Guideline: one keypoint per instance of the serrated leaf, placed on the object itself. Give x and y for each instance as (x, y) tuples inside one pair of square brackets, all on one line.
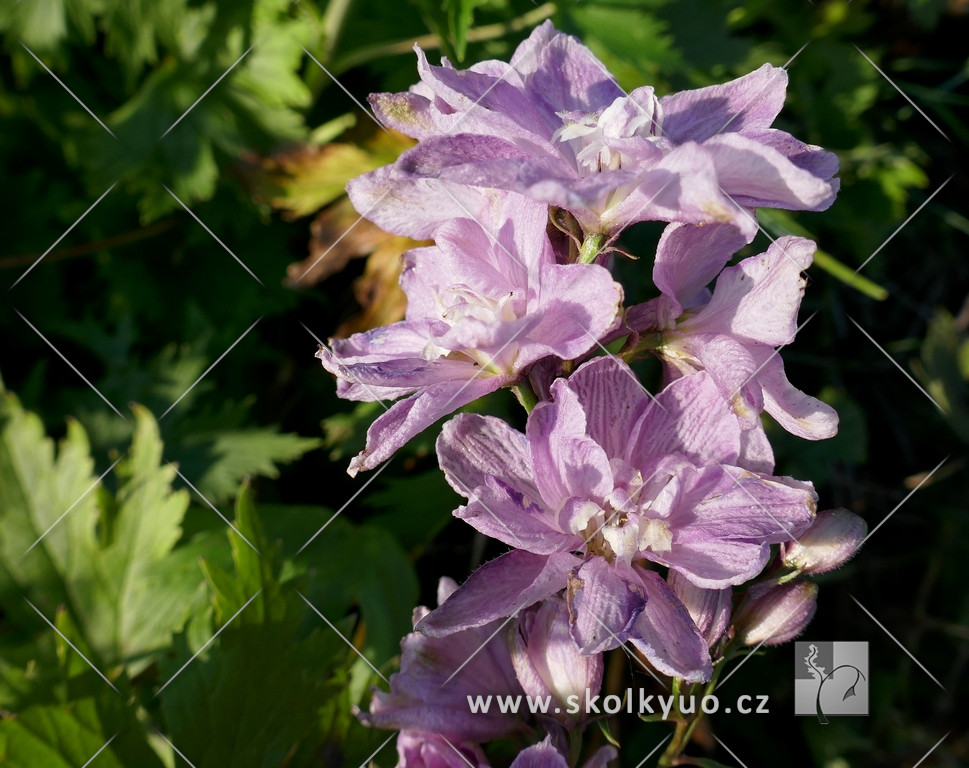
[(69, 735), (109, 560), (218, 461)]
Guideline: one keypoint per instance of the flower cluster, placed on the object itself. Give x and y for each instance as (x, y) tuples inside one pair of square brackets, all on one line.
[(649, 521)]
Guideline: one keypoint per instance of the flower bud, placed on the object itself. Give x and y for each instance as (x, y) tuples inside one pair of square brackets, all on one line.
[(772, 613), (709, 608), (547, 661), (831, 540), (425, 750)]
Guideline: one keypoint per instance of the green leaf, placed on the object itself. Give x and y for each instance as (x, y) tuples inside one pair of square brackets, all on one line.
[(218, 461), (108, 559), (942, 373), (266, 648)]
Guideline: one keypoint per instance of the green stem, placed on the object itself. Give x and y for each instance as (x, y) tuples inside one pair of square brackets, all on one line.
[(684, 728), (590, 248), (526, 395)]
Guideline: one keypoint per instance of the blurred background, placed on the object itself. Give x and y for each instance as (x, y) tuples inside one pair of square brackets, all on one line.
[(177, 241)]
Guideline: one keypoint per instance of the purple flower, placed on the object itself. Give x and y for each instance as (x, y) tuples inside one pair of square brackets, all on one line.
[(732, 334), (428, 750), (627, 480), (829, 543), (484, 303), (425, 697), (547, 662), (772, 613), (544, 755), (554, 125)]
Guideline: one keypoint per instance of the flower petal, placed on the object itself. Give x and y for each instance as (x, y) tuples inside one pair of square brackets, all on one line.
[(688, 417), (689, 257), (498, 589), (407, 418), (798, 413), (666, 634), (612, 398), (758, 299), (495, 511), (566, 461), (755, 175), (749, 102), (472, 448), (605, 600)]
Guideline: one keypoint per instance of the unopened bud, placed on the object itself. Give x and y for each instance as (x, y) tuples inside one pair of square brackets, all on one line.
[(772, 614), (831, 540), (546, 659)]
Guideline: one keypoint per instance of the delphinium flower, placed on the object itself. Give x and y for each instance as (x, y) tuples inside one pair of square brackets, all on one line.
[(545, 755), (627, 481), (430, 693), (554, 125), (732, 333), (484, 303)]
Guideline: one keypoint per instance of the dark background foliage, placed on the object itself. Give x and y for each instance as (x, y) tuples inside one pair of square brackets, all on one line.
[(142, 299)]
